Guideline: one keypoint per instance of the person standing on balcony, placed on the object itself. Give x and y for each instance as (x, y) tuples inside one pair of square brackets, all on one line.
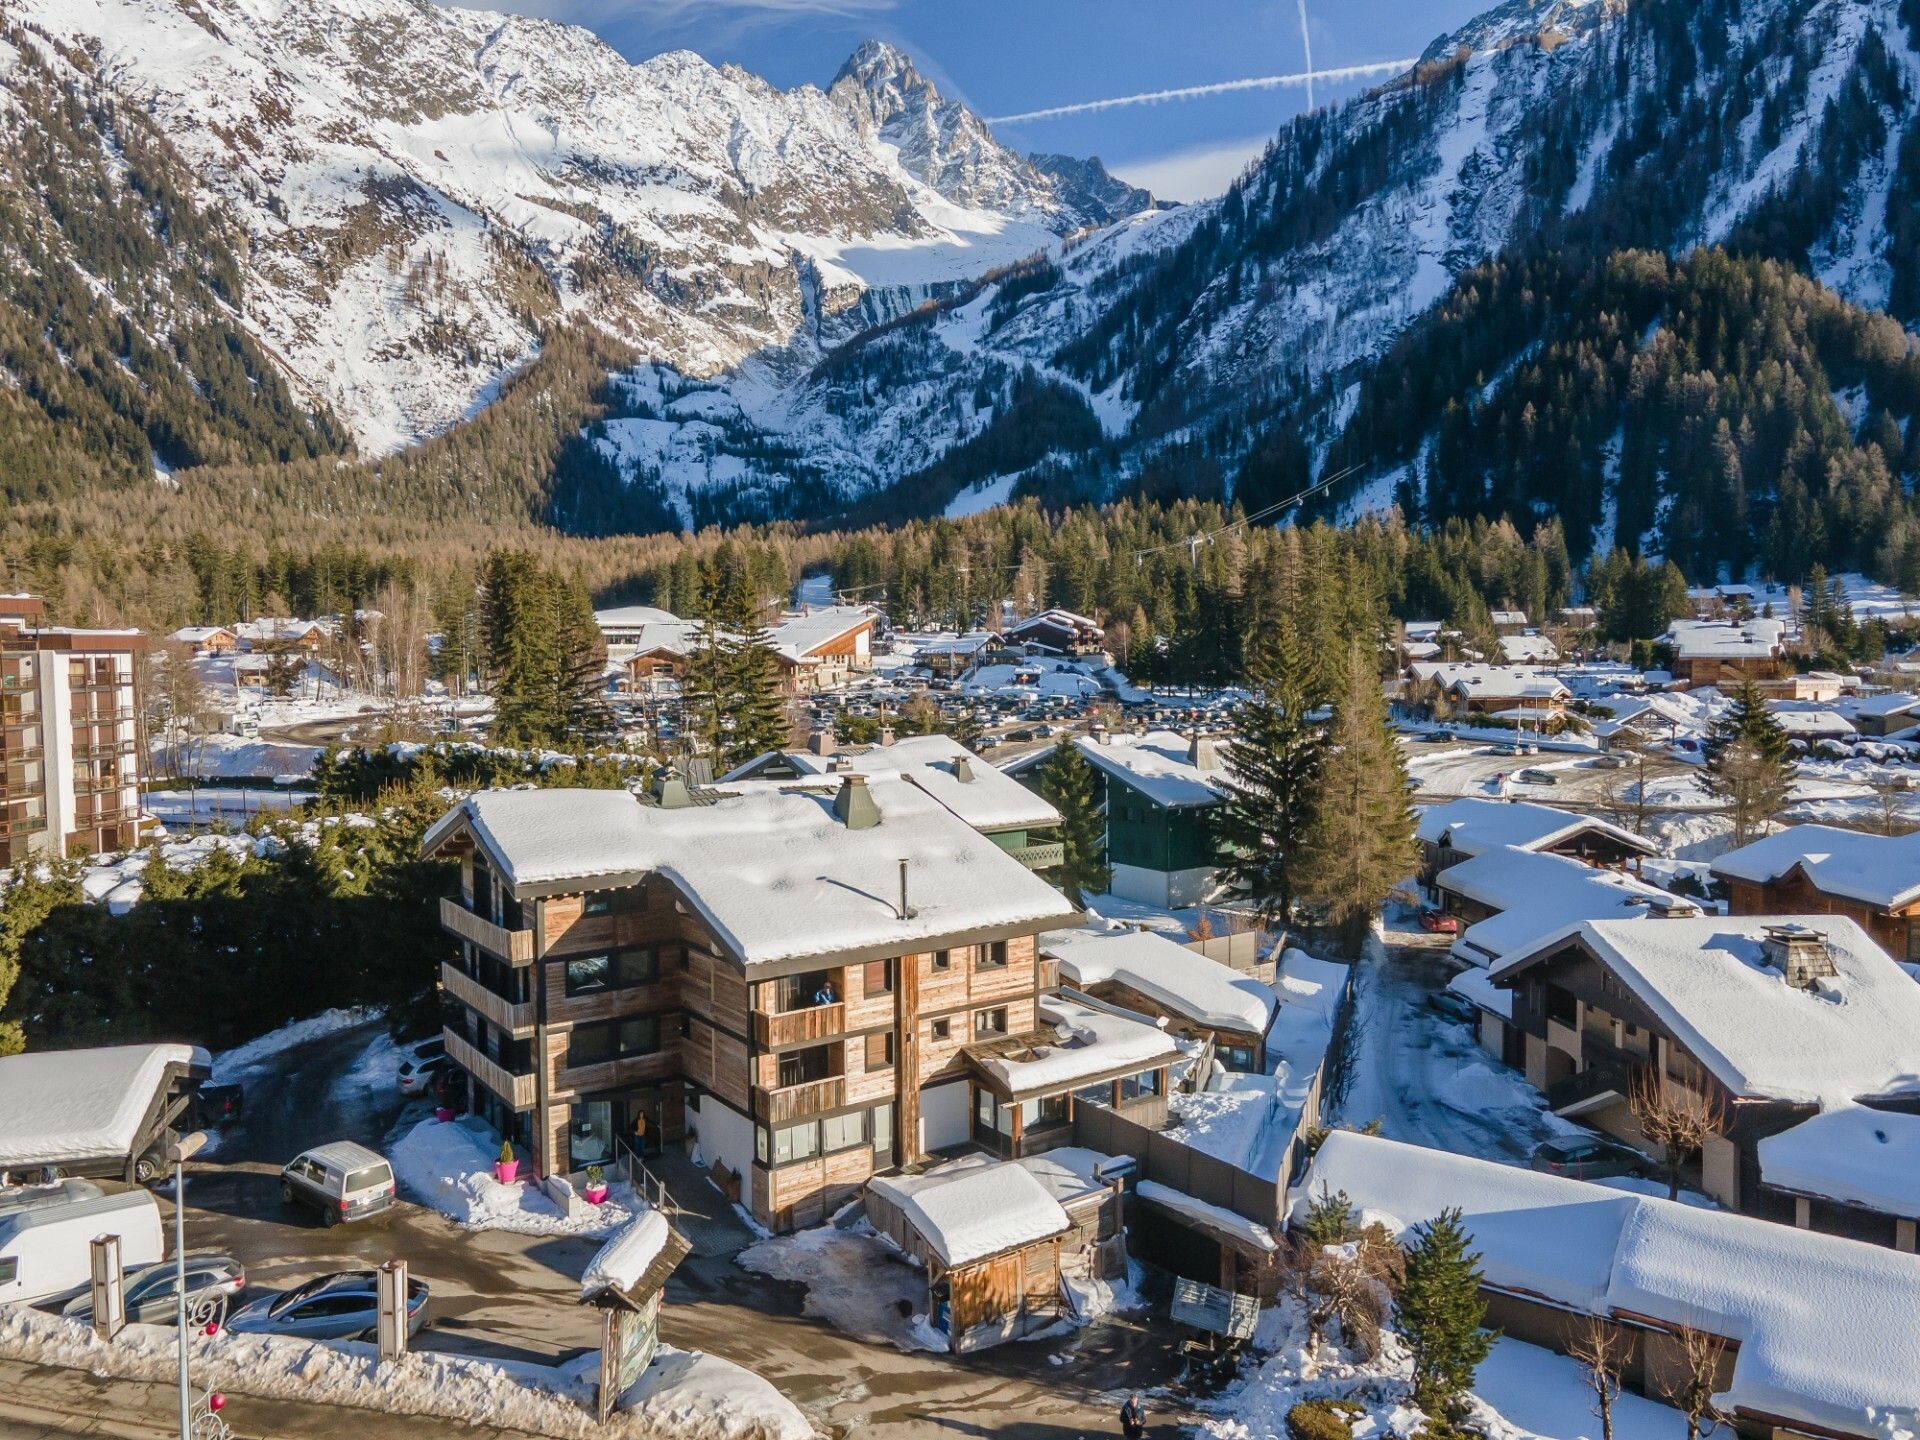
[(826, 994)]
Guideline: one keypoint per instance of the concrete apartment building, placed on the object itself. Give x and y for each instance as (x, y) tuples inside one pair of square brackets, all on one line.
[(70, 758), (790, 977)]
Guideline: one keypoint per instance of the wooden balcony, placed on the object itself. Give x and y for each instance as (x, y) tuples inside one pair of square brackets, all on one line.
[(477, 997), (1044, 856), (516, 1090), (574, 1080), (513, 946), (796, 1102), (799, 1027)]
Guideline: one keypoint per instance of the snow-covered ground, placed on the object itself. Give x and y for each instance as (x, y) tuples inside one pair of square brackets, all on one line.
[(232, 757), (234, 1066), (858, 1282), (448, 1166), (231, 807), (681, 1396)]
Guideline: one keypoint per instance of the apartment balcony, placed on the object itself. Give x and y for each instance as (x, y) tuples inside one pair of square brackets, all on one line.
[(1044, 856), (484, 1002), (611, 1074), (22, 824), (513, 946), (516, 1090), (788, 1103), (809, 1025)]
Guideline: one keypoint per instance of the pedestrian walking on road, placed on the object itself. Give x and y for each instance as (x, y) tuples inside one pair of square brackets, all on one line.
[(1133, 1418)]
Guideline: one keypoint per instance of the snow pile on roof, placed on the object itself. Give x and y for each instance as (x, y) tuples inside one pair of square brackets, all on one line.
[(974, 1208), (1071, 1172), (1536, 892), (1803, 723), (1231, 1119), (620, 1263), (1478, 987), (772, 872), (1824, 1325), (1528, 650), (989, 800), (1855, 1033), (1182, 980), (1209, 1216), (1880, 870), (628, 617), (63, 1106), (1092, 1040), (1490, 682), (1851, 1154), (1156, 764), (1725, 639), (449, 1168), (1472, 827), (796, 637)]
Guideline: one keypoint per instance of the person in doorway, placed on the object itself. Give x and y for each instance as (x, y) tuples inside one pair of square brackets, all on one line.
[(640, 1133), (1133, 1418)]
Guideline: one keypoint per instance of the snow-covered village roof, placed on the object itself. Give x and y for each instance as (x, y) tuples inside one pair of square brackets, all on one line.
[(1159, 765), (772, 871), (1851, 1154), (1492, 682), (1854, 1034), (629, 617), (974, 1207), (1182, 980), (1528, 649), (1078, 1040), (1824, 1326), (988, 799), (1536, 892), (1811, 724), (796, 637), (198, 634), (1879, 870), (1473, 827), (1725, 639), (272, 629), (67, 1106), (1477, 987)]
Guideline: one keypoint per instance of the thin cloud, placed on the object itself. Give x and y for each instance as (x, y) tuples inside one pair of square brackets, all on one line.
[(1221, 87), (1306, 43), (1199, 173)]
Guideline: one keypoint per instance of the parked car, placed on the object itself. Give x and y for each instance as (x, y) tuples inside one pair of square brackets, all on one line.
[(217, 1104), (417, 1076), (341, 1181), (1508, 749), (1535, 776), (1438, 922), (1439, 737), (419, 1055), (1453, 1006), (1609, 762), (340, 1306), (150, 1292), (1587, 1157)]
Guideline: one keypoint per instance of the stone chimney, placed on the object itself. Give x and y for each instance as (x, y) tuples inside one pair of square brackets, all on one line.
[(820, 741), (1801, 955), (853, 804), (670, 792), (963, 770), (886, 735), (1202, 753)]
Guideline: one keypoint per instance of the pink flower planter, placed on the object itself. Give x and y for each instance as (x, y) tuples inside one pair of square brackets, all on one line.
[(442, 1114), (595, 1194), (506, 1171)]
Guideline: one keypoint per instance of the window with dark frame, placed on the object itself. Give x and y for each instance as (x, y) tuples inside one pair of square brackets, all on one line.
[(880, 1051), (942, 1029), (877, 978), (943, 959), (987, 1023), (614, 1040), (598, 902), (991, 957), (612, 970)]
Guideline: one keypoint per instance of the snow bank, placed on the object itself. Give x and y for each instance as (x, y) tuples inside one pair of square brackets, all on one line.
[(449, 1168), (244, 1060), (857, 1281)]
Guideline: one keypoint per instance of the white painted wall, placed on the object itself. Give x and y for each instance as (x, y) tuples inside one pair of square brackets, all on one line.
[(1170, 889), (943, 1116), (725, 1134), (56, 732)]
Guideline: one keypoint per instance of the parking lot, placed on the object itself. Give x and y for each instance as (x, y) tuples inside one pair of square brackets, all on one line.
[(507, 1296)]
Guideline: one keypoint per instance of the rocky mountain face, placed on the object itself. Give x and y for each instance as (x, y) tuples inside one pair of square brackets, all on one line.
[(422, 190)]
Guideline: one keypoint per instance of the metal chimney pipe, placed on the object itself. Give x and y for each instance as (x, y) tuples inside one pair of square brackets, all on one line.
[(906, 910)]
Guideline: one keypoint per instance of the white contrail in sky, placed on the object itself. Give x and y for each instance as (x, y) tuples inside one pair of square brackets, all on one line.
[(1222, 87), (1306, 40)]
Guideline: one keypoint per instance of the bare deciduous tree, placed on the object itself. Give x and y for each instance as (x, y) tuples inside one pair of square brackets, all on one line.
[(1677, 1118), (183, 712), (1691, 1391), (1601, 1350)]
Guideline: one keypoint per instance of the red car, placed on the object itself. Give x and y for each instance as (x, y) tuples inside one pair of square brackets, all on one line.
[(1439, 922)]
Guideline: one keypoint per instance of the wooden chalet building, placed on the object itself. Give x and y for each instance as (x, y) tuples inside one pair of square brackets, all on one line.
[(1056, 632), (1461, 829), (1774, 1019), (790, 977), (1873, 880), (1726, 653)]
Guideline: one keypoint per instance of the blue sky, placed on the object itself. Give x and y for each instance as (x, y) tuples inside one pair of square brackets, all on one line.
[(1004, 57)]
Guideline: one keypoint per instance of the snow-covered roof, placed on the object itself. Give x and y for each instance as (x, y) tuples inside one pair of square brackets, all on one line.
[(1072, 1172), (1878, 870), (1894, 702), (1064, 619), (1475, 826), (276, 628), (1725, 639), (990, 800), (1854, 1034), (1091, 1040), (974, 1207), (198, 634), (1507, 877), (623, 1260), (1491, 682), (772, 872), (1478, 987), (1805, 723), (628, 617), (673, 637), (1528, 649), (1851, 1154), (1208, 1216), (1182, 980), (67, 1106), (1509, 617), (797, 636), (1156, 764), (1824, 1325)]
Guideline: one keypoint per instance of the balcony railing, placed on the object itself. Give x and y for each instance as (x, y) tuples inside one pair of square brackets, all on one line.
[(1044, 856), (797, 1027), (609, 1074), (516, 1090), (513, 946), (788, 1103), (22, 824), (477, 997)]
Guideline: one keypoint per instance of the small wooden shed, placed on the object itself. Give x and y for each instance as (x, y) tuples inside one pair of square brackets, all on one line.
[(988, 1233)]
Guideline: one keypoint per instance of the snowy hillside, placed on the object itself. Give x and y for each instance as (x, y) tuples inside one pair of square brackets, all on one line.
[(424, 188)]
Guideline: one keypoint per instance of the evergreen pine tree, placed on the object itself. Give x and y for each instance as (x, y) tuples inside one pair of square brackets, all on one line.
[(1748, 763), (580, 667), (1066, 779), (1273, 766), (756, 706), (1329, 1219), (1441, 1314), (1358, 840)]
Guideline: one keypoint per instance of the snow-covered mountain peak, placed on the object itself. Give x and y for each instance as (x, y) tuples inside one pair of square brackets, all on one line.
[(1544, 22)]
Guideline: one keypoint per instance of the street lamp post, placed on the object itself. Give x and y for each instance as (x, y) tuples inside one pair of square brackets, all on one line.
[(203, 1421)]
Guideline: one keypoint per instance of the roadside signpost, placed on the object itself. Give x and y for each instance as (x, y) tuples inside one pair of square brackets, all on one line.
[(108, 1286), (391, 1288)]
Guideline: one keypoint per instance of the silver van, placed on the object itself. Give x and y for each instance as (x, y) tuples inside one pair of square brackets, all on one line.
[(340, 1181)]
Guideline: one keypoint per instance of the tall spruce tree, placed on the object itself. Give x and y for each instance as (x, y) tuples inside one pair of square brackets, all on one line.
[(1358, 840), (1748, 763), (1066, 779), (756, 706), (579, 667), (1442, 1314), (1273, 767)]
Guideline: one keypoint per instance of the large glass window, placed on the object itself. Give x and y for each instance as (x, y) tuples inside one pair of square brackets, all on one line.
[(796, 1142), (843, 1132), (594, 1044), (590, 1133), (616, 970), (1137, 1087)]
